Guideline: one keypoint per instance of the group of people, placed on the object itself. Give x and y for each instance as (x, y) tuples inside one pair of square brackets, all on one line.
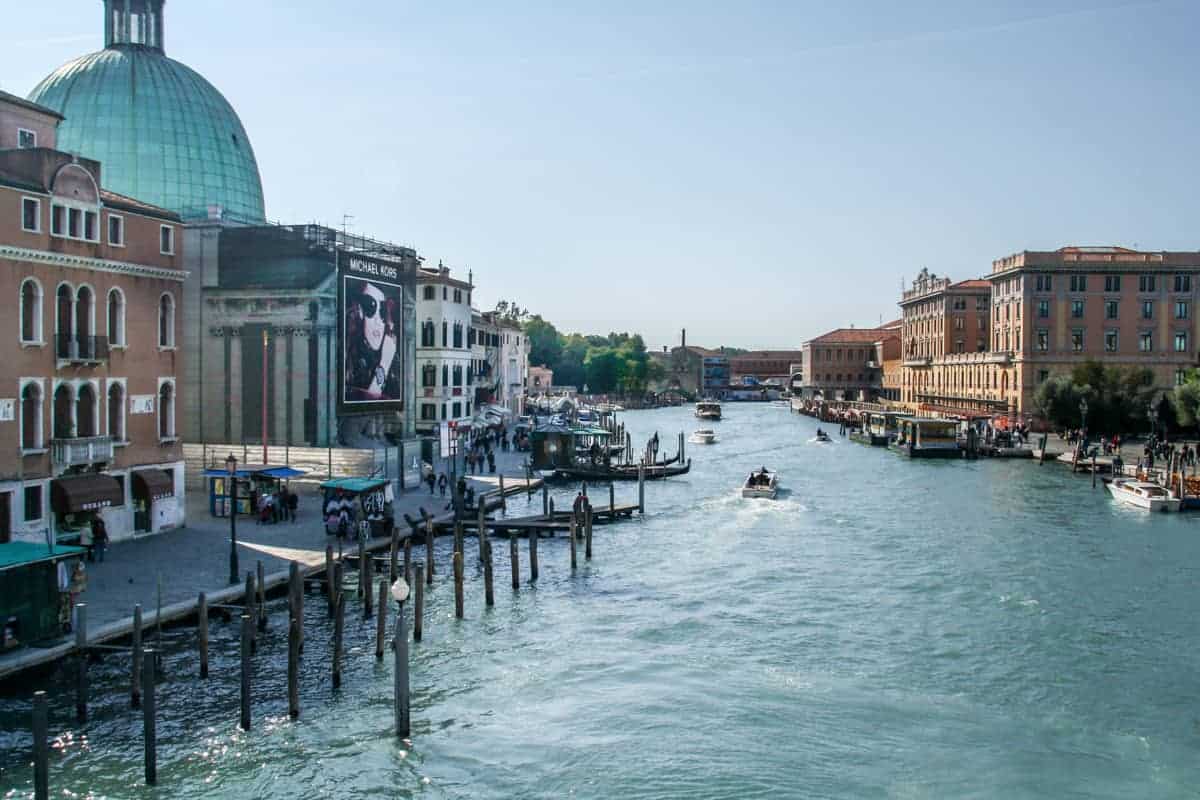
[(94, 539), (277, 506), (761, 478), (1160, 449)]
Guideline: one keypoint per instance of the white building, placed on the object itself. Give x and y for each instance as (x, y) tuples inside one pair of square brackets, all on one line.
[(445, 378), (514, 366)]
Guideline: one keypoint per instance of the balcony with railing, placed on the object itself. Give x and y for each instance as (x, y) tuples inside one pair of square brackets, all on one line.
[(81, 451), (81, 349)]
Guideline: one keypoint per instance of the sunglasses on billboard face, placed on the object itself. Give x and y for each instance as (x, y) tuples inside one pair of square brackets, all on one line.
[(369, 305)]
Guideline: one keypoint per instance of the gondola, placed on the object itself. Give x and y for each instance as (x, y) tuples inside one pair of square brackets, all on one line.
[(623, 472)]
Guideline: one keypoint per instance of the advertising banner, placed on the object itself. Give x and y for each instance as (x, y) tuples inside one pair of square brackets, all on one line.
[(371, 325)]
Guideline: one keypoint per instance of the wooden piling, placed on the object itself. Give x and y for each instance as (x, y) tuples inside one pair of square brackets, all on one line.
[(158, 653), (503, 497), (429, 550), (261, 603), (329, 578), (458, 585), (481, 530), (149, 733), (408, 561), (293, 673), (641, 488), (135, 700), (392, 553), (1093, 470), (367, 576), (545, 500), (587, 532), (612, 501), (41, 747), (533, 564), (339, 576), (381, 623), (339, 627), (247, 644), (363, 588), (296, 600), (419, 601), (202, 625), (400, 674), (458, 536), (515, 560), (571, 536), (81, 657), (488, 594)]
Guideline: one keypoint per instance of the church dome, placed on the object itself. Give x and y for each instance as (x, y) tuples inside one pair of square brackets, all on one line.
[(162, 133)]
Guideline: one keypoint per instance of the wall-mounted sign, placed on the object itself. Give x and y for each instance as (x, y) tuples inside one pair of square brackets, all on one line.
[(141, 404), (371, 311), (8, 409)]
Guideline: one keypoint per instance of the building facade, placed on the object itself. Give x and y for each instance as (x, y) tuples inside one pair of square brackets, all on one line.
[(766, 366), (514, 366), (541, 380), (444, 352), (844, 363), (88, 418)]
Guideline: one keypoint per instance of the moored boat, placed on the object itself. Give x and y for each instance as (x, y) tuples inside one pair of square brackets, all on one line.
[(928, 438), (1143, 494), (761, 484)]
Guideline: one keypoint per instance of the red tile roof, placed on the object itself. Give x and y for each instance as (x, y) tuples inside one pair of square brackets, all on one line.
[(973, 283), (854, 335)]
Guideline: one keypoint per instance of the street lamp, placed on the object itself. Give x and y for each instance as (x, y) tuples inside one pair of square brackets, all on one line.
[(231, 465)]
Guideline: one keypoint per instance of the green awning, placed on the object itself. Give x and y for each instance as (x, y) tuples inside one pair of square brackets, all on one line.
[(355, 485), (19, 554)]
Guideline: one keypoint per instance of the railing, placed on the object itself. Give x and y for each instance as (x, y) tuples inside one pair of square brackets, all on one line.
[(923, 361), (81, 451), (999, 357), (70, 347)]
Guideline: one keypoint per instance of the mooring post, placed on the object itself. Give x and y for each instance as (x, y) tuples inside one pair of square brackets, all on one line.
[(149, 734), (81, 657), (612, 501), (1094, 471), (158, 645), (136, 683), (458, 585), (408, 561), (641, 488), (550, 514), (249, 607), (419, 602), (339, 576), (571, 536), (381, 623), (363, 588), (533, 565), (339, 627), (296, 601), (488, 594), (515, 560), (400, 673), (458, 536), (392, 553), (503, 498), (260, 604), (481, 530), (367, 576), (247, 644), (293, 674), (202, 624), (587, 532), (329, 577), (41, 747), (545, 500), (429, 550)]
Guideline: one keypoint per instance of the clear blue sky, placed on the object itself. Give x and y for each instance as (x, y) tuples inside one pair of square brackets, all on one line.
[(758, 172)]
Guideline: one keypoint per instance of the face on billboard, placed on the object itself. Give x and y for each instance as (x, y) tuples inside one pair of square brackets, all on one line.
[(371, 335)]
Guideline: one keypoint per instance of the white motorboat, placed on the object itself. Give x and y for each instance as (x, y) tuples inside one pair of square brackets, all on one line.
[(822, 436), (708, 409), (763, 483), (1141, 494), (703, 436)]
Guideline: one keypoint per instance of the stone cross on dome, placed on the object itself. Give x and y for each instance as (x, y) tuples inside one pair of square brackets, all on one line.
[(136, 23)]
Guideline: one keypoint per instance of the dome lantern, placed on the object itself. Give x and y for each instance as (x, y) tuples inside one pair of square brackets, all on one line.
[(134, 22)]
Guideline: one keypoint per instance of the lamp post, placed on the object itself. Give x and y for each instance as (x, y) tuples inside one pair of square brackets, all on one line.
[(231, 465)]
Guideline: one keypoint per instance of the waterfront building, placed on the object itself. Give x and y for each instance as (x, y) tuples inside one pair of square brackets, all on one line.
[(269, 332), (844, 364), (948, 364), (766, 366), (88, 412), (514, 366), (541, 380), (484, 338), (1051, 311), (692, 370), (444, 352)]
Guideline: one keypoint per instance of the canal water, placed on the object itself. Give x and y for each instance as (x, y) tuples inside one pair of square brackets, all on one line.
[(886, 628)]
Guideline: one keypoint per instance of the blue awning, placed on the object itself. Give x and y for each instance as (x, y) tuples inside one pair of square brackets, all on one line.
[(280, 472), (261, 470)]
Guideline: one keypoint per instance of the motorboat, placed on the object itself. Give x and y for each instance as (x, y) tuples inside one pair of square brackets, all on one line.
[(1142, 494), (703, 436), (822, 436), (708, 409), (763, 483)]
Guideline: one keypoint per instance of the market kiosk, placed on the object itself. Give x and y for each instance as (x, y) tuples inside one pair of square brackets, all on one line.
[(250, 481)]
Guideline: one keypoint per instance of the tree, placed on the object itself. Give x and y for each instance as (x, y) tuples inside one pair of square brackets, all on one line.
[(545, 342), (1185, 400), (1057, 402), (603, 366), (1116, 398)]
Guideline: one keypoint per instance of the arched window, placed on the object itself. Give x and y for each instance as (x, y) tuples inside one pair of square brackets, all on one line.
[(445, 334), (166, 410), (166, 321), (64, 408), (31, 311), (116, 317), (116, 412), (64, 320), (31, 416), (85, 411), (85, 321)]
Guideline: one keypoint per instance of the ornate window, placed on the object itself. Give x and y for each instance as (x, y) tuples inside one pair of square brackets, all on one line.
[(31, 311), (166, 320), (31, 416), (116, 317)]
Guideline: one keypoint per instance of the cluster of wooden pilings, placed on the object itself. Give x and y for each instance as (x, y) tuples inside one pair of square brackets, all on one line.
[(146, 663)]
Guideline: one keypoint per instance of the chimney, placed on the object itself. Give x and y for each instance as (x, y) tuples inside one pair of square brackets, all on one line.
[(683, 338)]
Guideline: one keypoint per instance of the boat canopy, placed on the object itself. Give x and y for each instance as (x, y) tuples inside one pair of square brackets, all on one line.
[(355, 485)]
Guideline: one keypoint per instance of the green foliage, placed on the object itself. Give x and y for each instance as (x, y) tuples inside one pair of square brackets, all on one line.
[(1185, 400), (605, 364), (545, 342), (1117, 399)]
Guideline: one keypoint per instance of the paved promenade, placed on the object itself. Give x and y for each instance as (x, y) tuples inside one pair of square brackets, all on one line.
[(196, 559)]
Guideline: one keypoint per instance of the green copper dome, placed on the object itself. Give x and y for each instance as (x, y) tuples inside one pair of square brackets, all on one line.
[(162, 133)]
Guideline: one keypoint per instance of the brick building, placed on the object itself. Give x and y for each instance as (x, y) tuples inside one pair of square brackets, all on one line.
[(845, 364), (88, 408)]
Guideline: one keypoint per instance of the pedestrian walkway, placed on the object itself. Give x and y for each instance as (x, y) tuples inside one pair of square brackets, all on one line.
[(195, 559)]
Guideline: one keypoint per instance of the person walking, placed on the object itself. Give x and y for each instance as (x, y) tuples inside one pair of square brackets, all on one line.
[(441, 482), (100, 538), (293, 502), (431, 480), (491, 459), (87, 541)]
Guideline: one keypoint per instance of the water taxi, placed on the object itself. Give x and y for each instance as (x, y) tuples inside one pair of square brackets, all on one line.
[(880, 428), (703, 436), (822, 436), (1142, 494), (761, 484), (708, 409)]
